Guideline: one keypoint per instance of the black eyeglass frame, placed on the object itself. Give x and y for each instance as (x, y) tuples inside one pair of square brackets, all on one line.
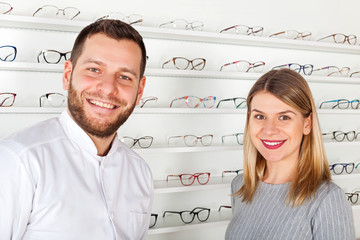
[(193, 212)]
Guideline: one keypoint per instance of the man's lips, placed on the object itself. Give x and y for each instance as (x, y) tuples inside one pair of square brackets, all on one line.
[(102, 104), (273, 144)]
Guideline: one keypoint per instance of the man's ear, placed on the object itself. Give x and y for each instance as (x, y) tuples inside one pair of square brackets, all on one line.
[(67, 74), (141, 89)]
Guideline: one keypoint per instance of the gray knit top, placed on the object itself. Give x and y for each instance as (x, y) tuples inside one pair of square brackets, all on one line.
[(328, 216)]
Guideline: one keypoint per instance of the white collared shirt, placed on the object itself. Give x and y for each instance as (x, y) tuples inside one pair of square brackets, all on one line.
[(54, 186)]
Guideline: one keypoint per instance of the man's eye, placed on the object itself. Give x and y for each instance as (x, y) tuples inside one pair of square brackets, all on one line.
[(125, 77), (284, 117), (93, 70)]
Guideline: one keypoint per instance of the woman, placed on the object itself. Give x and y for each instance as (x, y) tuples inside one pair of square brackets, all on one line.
[(286, 190)]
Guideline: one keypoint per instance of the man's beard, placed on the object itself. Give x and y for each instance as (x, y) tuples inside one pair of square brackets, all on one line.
[(96, 127)]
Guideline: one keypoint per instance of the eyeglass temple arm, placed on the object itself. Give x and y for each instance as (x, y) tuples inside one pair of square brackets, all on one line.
[(11, 8), (166, 63), (174, 137), (37, 11), (278, 33), (75, 15), (224, 206), (325, 37), (176, 100), (201, 208), (167, 178), (171, 212), (229, 135)]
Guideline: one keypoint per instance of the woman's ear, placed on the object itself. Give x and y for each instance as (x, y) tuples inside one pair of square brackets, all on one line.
[(308, 124)]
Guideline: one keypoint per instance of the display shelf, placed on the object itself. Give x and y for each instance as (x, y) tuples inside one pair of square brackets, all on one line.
[(342, 144), (174, 185), (46, 110), (159, 72), (183, 35), (345, 176), (172, 222), (338, 111), (167, 149)]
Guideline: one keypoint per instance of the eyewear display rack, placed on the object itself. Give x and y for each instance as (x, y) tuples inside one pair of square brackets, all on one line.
[(173, 189)]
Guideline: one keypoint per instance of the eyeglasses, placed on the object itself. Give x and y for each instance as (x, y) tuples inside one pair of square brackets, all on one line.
[(194, 102), (355, 74), (341, 38), (5, 8), (153, 219), (339, 136), (143, 142), (242, 29), (53, 56), (341, 104), (338, 168), (223, 206), (133, 19), (189, 216), (181, 63), (231, 172), (239, 138), (51, 11), (333, 71), (183, 24), (239, 102), (307, 68), (7, 53), (7, 99), (54, 99), (293, 34), (189, 179), (244, 66), (353, 197), (191, 140), (147, 99)]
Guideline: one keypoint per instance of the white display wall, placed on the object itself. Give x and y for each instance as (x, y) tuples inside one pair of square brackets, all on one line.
[(30, 80)]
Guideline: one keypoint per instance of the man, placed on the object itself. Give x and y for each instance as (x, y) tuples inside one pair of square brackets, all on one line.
[(70, 178)]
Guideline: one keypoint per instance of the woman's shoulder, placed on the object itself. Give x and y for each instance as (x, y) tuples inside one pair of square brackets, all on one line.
[(237, 182)]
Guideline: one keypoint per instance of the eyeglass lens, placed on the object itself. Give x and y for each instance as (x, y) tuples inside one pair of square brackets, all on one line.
[(7, 53), (188, 179), (353, 197), (191, 140)]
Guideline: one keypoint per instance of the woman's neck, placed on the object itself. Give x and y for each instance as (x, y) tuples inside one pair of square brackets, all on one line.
[(280, 172)]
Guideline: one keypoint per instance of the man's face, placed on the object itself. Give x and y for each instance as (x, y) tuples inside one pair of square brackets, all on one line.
[(104, 86)]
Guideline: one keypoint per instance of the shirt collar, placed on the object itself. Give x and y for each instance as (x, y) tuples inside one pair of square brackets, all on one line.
[(80, 137)]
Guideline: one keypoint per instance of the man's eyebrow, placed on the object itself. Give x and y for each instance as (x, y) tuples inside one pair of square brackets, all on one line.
[(101, 63)]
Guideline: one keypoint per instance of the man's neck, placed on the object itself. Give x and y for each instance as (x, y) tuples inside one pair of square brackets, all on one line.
[(102, 145)]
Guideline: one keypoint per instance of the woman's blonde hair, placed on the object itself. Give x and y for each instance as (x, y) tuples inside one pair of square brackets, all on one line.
[(313, 169)]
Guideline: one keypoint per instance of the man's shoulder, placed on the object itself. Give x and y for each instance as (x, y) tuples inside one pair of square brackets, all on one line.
[(40, 133)]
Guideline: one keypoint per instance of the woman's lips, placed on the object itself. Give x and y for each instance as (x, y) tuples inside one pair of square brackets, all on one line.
[(273, 144)]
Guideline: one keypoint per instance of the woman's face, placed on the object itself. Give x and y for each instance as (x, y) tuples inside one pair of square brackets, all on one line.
[(275, 128)]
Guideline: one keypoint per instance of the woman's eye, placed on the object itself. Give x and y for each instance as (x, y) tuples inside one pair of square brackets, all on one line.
[(259, 116), (284, 117)]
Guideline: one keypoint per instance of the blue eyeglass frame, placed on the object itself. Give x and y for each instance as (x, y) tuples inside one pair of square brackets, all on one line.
[(6, 58)]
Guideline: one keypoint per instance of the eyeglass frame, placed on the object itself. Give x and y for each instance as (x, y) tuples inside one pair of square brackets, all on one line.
[(137, 140), (251, 65), (155, 215), (46, 95), (338, 103), (249, 28), (189, 135), (107, 16), (202, 100), (15, 53), (186, 25), (357, 72), (344, 165), (194, 176), (235, 135), (233, 99), (338, 70), (232, 171), (13, 96), (42, 52), (299, 34), (191, 212), (189, 62), (8, 11), (59, 9), (224, 206), (147, 99), (350, 195), (345, 135), (300, 67), (346, 38)]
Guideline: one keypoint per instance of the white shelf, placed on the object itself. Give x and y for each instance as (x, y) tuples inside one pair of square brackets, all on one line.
[(343, 143), (159, 72), (166, 149), (345, 176), (172, 222), (174, 185), (30, 22), (338, 111)]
